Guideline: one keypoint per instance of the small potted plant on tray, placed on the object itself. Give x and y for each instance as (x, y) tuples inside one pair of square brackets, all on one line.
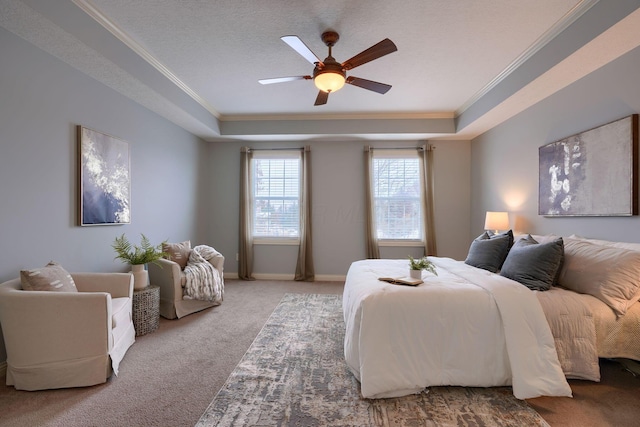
[(138, 256), (417, 265)]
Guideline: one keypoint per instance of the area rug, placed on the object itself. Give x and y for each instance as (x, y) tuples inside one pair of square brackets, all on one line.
[(294, 374)]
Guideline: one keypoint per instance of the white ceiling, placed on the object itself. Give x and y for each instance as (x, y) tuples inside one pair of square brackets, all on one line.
[(447, 50), (452, 57)]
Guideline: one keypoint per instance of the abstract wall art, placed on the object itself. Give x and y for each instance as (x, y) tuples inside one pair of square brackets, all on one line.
[(104, 179), (593, 173)]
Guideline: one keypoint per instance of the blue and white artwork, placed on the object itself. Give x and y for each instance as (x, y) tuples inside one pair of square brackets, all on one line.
[(105, 179), (591, 173)]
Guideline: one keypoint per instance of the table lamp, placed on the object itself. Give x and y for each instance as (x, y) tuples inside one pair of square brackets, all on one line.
[(495, 221)]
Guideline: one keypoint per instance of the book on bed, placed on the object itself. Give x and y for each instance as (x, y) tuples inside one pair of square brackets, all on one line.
[(406, 280)]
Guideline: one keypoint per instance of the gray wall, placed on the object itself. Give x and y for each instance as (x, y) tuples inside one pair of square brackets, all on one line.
[(504, 171), (182, 187), (38, 113), (338, 205)]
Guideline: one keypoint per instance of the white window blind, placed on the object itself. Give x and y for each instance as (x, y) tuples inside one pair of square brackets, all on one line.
[(276, 194), (397, 195)]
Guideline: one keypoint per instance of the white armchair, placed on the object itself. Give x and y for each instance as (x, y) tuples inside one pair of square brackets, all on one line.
[(67, 339), (170, 278)]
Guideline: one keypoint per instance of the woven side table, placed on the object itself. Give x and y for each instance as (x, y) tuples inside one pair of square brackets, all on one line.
[(146, 310)]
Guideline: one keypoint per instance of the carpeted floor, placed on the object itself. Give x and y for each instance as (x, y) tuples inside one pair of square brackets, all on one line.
[(169, 377), (294, 375)]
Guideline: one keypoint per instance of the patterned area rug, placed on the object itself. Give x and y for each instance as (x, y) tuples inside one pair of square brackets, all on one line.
[(294, 374)]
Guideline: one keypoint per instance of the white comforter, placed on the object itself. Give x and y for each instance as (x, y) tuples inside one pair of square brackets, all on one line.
[(465, 327)]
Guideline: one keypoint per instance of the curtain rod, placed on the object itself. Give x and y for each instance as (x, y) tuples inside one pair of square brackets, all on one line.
[(428, 147), (275, 149)]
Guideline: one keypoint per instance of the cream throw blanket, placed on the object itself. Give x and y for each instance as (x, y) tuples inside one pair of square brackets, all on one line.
[(203, 282)]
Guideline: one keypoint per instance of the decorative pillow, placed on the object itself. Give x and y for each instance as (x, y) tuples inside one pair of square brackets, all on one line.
[(594, 241), (544, 238), (178, 252), (534, 264), (51, 277), (489, 253), (509, 234), (621, 245), (610, 274)]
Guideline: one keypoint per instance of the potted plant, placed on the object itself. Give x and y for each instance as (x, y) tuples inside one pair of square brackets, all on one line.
[(417, 265), (137, 257)]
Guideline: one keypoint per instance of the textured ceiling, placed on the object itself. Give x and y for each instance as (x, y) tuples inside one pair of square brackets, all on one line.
[(198, 62), (447, 50)]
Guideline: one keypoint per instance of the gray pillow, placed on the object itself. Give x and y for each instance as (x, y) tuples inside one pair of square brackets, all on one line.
[(534, 264), (489, 253), (509, 234)]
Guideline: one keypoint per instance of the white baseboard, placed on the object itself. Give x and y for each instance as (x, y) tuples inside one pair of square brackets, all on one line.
[(3, 369), (267, 276), (330, 278)]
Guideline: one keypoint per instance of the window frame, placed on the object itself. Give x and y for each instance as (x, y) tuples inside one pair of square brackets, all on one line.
[(399, 154), (276, 154)]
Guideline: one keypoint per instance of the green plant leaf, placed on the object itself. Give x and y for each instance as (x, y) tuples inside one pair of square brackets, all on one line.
[(133, 254), (422, 264)]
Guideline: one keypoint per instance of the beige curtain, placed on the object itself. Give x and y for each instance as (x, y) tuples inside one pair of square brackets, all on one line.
[(304, 266), (430, 248), (245, 253), (373, 251)]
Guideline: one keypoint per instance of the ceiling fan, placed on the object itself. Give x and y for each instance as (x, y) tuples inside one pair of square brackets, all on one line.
[(330, 75)]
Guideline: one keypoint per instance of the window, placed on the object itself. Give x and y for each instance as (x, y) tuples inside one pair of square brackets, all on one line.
[(275, 194), (397, 192)]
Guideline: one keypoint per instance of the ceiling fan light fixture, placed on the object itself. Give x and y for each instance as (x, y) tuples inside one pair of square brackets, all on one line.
[(330, 75), (329, 81)]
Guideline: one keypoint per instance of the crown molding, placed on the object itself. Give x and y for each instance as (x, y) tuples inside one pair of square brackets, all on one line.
[(563, 23), (337, 116), (121, 35)]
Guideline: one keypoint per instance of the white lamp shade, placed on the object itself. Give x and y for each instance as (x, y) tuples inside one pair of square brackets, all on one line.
[(496, 221), (329, 81)]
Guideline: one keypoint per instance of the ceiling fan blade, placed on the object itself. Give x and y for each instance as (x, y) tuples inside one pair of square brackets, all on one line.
[(299, 46), (322, 98), (283, 79), (383, 48), (368, 84)]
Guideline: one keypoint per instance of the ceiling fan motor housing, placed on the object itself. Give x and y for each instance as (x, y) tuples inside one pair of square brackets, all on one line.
[(330, 71), (330, 38)]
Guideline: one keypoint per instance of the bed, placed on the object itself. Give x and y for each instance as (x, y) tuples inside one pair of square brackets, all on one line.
[(468, 326)]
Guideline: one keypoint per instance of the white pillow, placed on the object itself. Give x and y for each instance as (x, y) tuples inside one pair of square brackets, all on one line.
[(609, 273), (622, 245)]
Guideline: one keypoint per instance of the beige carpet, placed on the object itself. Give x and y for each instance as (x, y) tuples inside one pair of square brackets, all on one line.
[(169, 377)]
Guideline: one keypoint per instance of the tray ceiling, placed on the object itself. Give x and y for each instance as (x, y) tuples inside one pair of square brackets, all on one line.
[(197, 63)]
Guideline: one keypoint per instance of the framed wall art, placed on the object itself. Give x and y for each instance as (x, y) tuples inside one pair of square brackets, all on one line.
[(593, 173), (104, 179)]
